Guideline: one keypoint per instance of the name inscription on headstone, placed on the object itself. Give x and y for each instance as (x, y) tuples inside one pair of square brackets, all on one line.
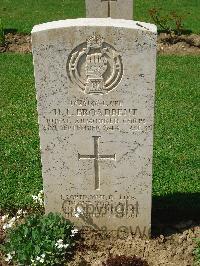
[(89, 118)]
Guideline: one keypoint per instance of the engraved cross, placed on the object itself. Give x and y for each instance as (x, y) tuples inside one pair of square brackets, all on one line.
[(109, 6), (97, 158)]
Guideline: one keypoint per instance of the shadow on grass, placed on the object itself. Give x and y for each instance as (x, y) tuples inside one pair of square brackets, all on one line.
[(183, 32), (6, 31), (175, 213)]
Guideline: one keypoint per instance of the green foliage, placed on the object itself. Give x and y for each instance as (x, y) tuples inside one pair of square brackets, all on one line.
[(176, 135), (197, 252), (2, 34), (20, 166), (38, 203), (22, 15), (170, 23), (40, 240), (190, 9)]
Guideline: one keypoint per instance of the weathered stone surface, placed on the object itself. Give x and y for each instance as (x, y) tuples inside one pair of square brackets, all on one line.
[(119, 9), (96, 9), (95, 82), (122, 9)]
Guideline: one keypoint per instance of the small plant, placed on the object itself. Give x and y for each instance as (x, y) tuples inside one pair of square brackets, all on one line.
[(38, 202), (2, 34), (125, 261), (197, 252), (40, 240), (171, 23), (11, 222)]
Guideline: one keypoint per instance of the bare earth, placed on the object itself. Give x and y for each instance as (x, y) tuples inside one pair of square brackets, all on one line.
[(174, 250), (94, 248), (182, 45)]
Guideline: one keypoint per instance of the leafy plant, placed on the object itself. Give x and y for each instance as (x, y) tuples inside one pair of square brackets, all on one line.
[(38, 202), (171, 23), (2, 34), (125, 261), (197, 251), (40, 240)]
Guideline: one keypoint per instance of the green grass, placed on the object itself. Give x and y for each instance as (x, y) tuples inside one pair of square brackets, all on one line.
[(24, 14), (176, 156), (20, 171), (190, 9), (177, 131), (197, 252), (176, 184)]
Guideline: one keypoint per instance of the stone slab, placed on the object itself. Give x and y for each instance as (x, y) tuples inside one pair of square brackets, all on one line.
[(95, 83), (118, 9)]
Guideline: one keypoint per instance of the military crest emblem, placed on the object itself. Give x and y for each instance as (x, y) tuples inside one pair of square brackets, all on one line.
[(95, 66)]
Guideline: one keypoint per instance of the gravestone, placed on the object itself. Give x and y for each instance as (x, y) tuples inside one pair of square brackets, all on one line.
[(95, 83), (120, 9)]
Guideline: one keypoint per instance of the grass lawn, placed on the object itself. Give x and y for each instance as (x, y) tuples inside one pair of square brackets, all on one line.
[(20, 172), (176, 157), (23, 14)]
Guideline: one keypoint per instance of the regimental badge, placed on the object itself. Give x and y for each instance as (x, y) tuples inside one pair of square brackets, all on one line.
[(95, 66)]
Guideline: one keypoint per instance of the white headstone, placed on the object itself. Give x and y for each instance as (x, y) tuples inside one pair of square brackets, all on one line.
[(120, 9), (95, 82)]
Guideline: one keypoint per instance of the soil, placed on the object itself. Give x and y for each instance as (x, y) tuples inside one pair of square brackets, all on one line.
[(182, 45), (17, 43), (175, 249)]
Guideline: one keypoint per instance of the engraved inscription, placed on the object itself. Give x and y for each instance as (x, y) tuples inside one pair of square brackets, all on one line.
[(97, 157), (121, 209), (96, 115), (118, 206), (95, 66)]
